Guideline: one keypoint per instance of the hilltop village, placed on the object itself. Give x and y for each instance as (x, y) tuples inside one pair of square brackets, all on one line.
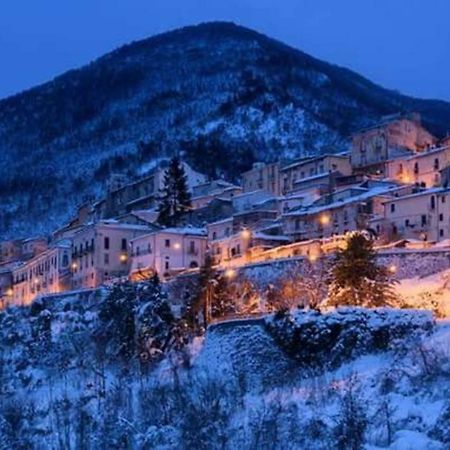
[(393, 181)]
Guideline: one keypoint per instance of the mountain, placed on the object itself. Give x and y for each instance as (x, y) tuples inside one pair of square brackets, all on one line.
[(222, 94)]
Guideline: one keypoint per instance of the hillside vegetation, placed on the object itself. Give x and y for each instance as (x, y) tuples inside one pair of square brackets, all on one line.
[(223, 94)]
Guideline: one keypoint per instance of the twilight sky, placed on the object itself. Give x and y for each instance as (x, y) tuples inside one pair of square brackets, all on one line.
[(401, 44)]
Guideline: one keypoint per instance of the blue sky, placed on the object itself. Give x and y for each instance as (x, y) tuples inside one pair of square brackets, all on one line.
[(401, 44)]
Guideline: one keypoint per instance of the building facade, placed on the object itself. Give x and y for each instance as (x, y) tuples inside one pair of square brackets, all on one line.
[(423, 216), (307, 172), (422, 168), (262, 176), (46, 273), (395, 136), (100, 252), (167, 252)]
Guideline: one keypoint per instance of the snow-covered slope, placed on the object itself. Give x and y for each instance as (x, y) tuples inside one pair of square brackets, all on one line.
[(223, 94)]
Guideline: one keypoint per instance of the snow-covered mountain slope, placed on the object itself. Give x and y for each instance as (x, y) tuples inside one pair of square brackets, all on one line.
[(248, 97)]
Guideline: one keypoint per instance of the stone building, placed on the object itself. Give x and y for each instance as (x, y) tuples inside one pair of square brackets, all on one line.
[(167, 252), (46, 273), (100, 252), (423, 215), (262, 176), (393, 137)]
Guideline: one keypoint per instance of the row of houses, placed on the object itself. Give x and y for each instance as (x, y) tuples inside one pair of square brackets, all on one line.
[(393, 182)]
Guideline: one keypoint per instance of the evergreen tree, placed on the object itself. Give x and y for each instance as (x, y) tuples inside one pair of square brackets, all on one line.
[(175, 197), (356, 279), (213, 298)]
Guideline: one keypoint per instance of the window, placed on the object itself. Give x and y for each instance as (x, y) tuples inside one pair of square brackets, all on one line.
[(432, 202), (214, 235), (138, 251), (443, 199), (441, 232), (436, 164), (106, 243), (392, 207), (423, 220), (416, 168), (166, 265), (124, 244), (441, 217), (192, 247), (407, 223), (106, 258), (149, 247), (167, 243)]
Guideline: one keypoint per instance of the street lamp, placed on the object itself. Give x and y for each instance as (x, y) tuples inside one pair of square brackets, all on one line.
[(393, 268), (230, 273), (177, 246), (324, 219), (246, 234)]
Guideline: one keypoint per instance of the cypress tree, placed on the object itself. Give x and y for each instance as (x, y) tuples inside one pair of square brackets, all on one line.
[(175, 196)]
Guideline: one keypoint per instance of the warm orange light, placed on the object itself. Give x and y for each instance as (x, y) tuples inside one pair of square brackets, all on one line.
[(230, 273), (36, 281), (74, 266), (312, 257), (324, 220), (123, 258), (393, 268), (246, 234), (9, 292), (177, 246)]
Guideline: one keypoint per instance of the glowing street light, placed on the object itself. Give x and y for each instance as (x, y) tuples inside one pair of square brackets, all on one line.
[(393, 268), (246, 234), (230, 273), (177, 246), (74, 266), (123, 258), (312, 257), (324, 220), (9, 292)]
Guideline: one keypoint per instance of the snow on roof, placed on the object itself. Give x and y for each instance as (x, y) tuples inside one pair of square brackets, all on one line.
[(219, 222), (255, 210), (183, 231), (375, 192), (435, 190), (428, 152), (146, 215), (310, 159), (313, 177), (270, 237), (250, 193)]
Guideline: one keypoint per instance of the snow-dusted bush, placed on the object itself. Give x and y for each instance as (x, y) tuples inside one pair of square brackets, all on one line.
[(318, 340)]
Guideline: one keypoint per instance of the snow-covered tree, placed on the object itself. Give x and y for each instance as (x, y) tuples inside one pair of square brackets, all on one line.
[(175, 196), (213, 298), (357, 279)]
